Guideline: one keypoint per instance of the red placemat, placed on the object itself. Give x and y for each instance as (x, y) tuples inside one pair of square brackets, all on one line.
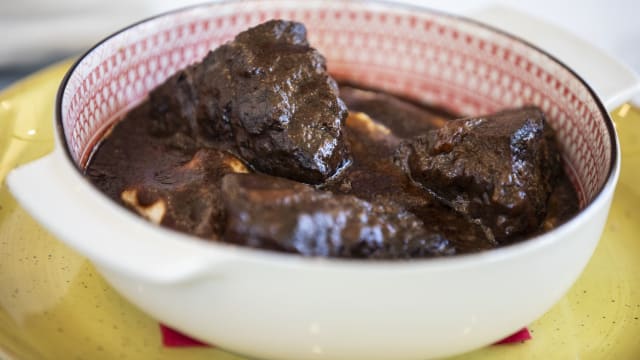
[(518, 337), (174, 338)]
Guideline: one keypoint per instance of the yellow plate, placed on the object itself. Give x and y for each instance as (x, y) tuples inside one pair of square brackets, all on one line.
[(53, 304)]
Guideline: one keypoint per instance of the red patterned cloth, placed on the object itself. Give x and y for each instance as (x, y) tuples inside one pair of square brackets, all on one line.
[(173, 338), (520, 336)]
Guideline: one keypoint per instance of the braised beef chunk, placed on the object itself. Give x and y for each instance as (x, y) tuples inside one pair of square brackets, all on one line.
[(499, 169), (186, 197), (374, 176), (280, 214), (465, 235), (402, 117), (254, 146), (268, 96)]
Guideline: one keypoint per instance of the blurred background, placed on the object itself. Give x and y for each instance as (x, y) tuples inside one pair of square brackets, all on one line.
[(37, 33)]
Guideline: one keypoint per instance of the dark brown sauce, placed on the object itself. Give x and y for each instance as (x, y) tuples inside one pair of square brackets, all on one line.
[(256, 146), (131, 157)]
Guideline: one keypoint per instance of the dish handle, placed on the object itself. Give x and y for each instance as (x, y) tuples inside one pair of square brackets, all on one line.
[(67, 205), (613, 81)]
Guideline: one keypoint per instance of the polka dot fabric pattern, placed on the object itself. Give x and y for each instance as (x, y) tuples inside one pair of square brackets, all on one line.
[(433, 58)]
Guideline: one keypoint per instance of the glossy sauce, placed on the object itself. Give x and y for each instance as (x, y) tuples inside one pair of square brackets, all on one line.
[(169, 168)]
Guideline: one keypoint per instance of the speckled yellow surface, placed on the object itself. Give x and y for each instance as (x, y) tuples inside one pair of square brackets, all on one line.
[(53, 305)]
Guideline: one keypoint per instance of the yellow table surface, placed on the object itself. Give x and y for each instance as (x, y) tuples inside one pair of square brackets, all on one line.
[(54, 305)]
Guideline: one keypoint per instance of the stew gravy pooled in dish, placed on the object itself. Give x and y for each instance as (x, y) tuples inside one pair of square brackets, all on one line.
[(258, 146)]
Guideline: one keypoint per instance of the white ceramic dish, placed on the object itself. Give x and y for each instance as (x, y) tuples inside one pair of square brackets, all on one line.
[(270, 305)]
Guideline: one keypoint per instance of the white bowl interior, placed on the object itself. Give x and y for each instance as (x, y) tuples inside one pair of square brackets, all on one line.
[(433, 58)]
